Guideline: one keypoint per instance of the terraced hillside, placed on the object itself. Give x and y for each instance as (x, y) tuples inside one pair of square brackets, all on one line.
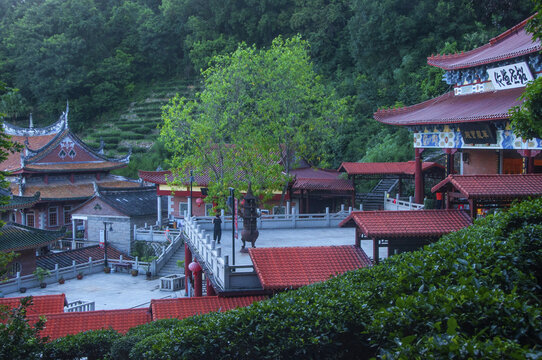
[(137, 127)]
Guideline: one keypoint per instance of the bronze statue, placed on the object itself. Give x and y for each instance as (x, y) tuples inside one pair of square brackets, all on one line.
[(249, 213)]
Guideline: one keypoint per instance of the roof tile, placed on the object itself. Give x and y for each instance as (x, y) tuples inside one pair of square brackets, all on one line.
[(293, 267), (413, 223), (512, 43), (450, 109), (18, 237), (493, 186), (41, 304), (185, 307), (59, 325)]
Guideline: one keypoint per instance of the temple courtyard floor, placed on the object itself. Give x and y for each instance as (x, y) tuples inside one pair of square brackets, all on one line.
[(123, 291)]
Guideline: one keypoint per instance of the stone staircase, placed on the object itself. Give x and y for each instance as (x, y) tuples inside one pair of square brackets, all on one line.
[(171, 266), (374, 200)]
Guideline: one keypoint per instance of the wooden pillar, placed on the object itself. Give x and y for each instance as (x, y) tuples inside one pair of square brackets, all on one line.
[(198, 283), (187, 261), (210, 289), (472, 206), (307, 208), (418, 177)]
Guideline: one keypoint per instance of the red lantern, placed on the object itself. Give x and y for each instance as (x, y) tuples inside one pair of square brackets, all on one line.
[(199, 201), (194, 267)]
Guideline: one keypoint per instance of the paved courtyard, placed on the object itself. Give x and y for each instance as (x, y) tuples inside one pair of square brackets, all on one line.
[(123, 291)]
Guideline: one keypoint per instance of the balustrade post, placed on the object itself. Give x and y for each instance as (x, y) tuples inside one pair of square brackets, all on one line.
[(350, 209), (288, 207), (342, 207), (74, 268), (328, 217), (226, 272), (137, 262), (90, 264), (56, 272), (293, 218), (18, 280)]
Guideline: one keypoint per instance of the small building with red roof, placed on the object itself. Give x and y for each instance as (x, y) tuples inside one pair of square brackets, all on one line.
[(284, 268), (473, 120), (483, 192), (401, 231)]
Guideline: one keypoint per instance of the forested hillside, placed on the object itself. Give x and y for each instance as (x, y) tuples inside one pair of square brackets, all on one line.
[(100, 55)]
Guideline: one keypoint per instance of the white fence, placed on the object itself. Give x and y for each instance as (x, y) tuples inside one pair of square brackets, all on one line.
[(69, 272), (79, 306), (398, 204)]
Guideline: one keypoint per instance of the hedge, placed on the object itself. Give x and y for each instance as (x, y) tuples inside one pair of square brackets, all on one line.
[(473, 294)]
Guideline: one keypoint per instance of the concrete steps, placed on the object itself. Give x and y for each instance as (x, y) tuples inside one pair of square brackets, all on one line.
[(375, 199), (171, 266)]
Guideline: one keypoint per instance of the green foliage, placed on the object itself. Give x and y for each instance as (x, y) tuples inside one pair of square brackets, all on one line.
[(41, 273), (257, 107), (391, 147), (527, 117), (93, 345), (18, 339), (473, 294)]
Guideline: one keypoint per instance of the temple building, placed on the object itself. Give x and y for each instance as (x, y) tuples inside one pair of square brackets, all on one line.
[(61, 167), (473, 121)]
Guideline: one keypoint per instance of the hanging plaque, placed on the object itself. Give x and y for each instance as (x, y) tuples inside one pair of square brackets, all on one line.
[(479, 133), (510, 76)]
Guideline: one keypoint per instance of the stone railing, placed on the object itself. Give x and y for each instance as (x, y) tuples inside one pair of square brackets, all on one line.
[(79, 306), (167, 252), (397, 203)]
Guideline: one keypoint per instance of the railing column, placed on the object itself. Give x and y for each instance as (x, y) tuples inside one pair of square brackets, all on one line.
[(74, 268), (90, 264), (293, 218), (328, 217), (56, 272), (226, 272), (288, 207), (18, 280)]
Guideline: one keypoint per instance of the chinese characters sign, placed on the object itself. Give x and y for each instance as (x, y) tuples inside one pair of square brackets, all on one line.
[(478, 134), (510, 76)]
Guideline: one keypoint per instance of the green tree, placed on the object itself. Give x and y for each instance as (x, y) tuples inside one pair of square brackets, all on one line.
[(260, 112), (527, 117)]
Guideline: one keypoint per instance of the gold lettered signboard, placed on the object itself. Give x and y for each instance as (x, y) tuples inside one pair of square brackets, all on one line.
[(478, 133)]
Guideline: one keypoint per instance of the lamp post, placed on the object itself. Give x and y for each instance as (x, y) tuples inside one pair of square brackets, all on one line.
[(191, 181), (105, 240), (232, 192)]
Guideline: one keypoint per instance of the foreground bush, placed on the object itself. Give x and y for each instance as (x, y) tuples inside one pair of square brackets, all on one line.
[(474, 294)]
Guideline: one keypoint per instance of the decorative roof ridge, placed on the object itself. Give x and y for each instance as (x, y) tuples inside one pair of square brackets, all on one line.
[(434, 60), (105, 190), (154, 172), (59, 125), (98, 152), (415, 106), (513, 29)]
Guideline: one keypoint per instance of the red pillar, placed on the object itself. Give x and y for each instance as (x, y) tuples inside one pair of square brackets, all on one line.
[(198, 283), (418, 177), (187, 261), (210, 289)]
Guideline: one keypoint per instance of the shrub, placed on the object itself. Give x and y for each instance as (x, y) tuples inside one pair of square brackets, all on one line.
[(475, 293), (94, 344)]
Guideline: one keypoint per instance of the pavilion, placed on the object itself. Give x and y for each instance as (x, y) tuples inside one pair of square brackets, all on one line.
[(402, 231), (473, 119), (484, 192)]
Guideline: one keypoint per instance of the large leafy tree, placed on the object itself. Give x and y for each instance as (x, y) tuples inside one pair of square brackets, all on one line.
[(260, 112)]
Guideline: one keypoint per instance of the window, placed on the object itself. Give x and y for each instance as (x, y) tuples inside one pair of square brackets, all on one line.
[(53, 216), (183, 207), (209, 210), (30, 220), (14, 269), (67, 215)]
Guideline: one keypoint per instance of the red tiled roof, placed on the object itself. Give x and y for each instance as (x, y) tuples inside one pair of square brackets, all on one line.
[(59, 325), (323, 184), (493, 186), (13, 161), (159, 177), (391, 168), (315, 173), (41, 304), (63, 167), (450, 109), (400, 224), (293, 267), (185, 307), (510, 44), (68, 190)]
